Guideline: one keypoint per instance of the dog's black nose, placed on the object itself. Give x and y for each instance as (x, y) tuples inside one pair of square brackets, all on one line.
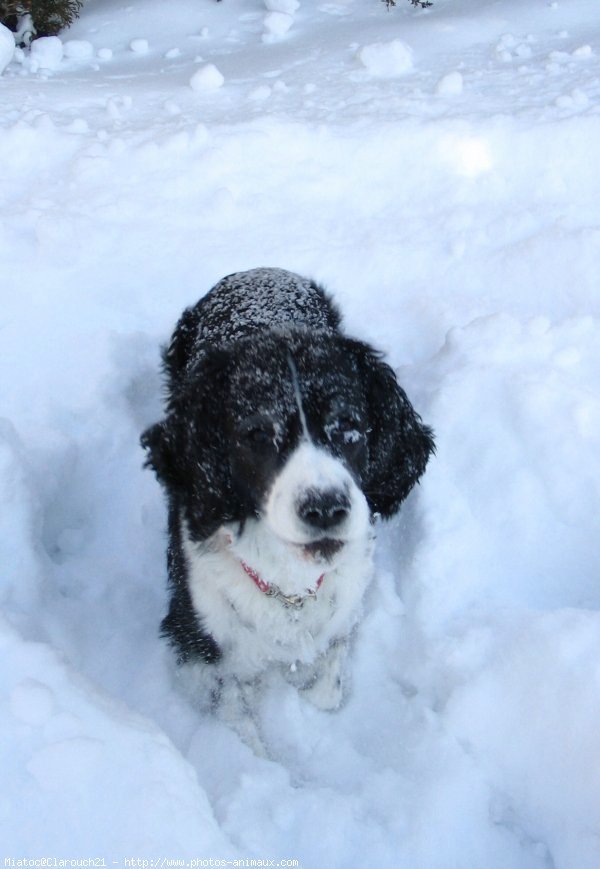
[(324, 510)]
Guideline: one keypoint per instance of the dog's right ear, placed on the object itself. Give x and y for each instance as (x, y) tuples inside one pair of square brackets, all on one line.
[(158, 441)]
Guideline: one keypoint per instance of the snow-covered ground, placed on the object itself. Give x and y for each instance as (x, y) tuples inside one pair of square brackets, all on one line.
[(438, 170)]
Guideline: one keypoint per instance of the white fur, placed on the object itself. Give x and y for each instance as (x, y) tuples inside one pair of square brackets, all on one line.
[(256, 631)]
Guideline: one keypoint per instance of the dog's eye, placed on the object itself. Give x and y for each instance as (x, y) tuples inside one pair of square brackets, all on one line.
[(346, 423), (258, 435), (345, 429)]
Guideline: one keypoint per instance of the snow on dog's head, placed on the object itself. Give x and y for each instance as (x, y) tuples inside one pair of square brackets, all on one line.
[(306, 430)]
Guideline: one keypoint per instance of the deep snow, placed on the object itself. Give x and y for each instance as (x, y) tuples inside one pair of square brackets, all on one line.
[(438, 171)]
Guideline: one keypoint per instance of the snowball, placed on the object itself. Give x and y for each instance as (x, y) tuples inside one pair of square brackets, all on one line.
[(105, 53), (387, 59), (46, 53), (277, 23), (287, 6), (78, 49), (450, 85), (139, 46), (172, 53), (583, 51), (207, 78), (7, 47)]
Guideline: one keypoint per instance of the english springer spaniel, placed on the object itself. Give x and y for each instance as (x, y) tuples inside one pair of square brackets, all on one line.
[(283, 440)]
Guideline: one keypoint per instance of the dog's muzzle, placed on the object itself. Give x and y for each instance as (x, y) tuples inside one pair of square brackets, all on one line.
[(315, 504)]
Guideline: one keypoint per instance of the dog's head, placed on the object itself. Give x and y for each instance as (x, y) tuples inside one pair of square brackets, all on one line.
[(309, 432)]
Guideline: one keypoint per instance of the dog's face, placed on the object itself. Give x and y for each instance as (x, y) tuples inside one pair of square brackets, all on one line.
[(298, 425), (311, 434)]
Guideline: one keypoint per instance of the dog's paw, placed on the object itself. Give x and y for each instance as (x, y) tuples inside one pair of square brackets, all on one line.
[(326, 693)]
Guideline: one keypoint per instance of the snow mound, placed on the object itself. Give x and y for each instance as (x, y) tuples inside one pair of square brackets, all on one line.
[(387, 59), (550, 737), (528, 373), (207, 78), (78, 751), (7, 47)]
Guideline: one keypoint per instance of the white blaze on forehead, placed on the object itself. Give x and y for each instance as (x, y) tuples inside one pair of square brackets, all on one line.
[(298, 395), (312, 469)]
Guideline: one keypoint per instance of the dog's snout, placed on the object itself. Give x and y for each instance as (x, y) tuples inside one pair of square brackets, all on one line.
[(324, 510)]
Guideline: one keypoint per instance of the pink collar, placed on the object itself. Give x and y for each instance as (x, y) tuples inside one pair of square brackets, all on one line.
[(288, 600)]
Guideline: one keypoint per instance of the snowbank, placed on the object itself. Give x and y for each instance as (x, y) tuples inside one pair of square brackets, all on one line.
[(90, 772)]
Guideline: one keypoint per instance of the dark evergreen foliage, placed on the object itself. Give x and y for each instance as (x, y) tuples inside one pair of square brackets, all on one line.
[(423, 4), (30, 18)]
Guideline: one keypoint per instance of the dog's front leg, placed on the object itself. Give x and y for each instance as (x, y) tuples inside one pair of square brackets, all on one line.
[(229, 698), (326, 690), (236, 705)]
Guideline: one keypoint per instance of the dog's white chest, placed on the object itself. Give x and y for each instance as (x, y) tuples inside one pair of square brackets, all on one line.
[(254, 629)]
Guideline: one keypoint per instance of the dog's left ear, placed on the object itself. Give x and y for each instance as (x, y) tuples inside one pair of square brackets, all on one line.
[(399, 443), (160, 452)]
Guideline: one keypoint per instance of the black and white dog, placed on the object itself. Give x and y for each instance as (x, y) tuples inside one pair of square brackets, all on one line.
[(283, 439)]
